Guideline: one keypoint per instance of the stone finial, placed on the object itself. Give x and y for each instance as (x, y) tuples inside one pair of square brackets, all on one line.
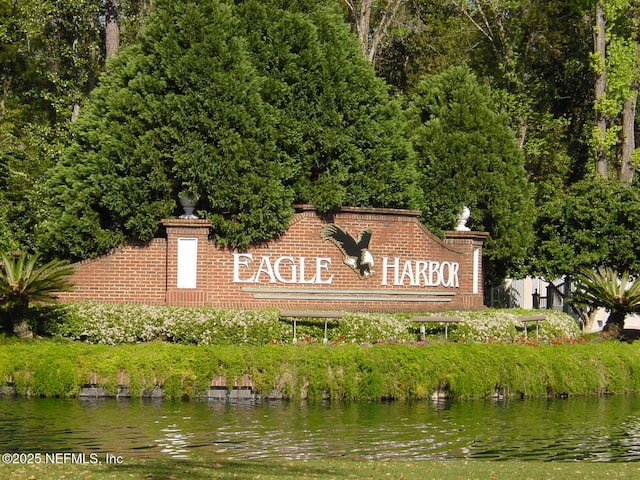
[(189, 204), (462, 220)]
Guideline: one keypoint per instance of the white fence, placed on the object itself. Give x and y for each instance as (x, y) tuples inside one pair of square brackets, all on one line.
[(530, 293), (533, 292)]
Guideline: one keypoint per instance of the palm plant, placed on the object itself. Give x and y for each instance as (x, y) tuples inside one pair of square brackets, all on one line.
[(23, 282), (605, 288)]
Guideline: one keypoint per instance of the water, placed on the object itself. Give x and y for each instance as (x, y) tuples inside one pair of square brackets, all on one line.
[(578, 429)]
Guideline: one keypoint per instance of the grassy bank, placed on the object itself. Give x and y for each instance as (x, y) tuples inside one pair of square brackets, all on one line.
[(325, 469), (340, 372)]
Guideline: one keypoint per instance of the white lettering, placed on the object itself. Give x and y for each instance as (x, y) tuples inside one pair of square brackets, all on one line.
[(322, 263), (294, 270), (446, 279), (266, 268), (285, 269), (453, 275), (435, 278), (407, 271), (241, 260), (386, 267), (301, 265), (291, 266), (421, 272)]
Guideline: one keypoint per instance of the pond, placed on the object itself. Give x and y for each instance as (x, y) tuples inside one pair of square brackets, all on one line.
[(603, 429)]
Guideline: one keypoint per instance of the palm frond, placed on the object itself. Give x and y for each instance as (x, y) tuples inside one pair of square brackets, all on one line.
[(605, 288), (22, 279)]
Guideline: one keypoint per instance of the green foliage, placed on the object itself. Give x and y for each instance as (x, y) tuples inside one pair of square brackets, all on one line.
[(591, 225), (181, 111), (504, 326), (606, 288), (468, 157), (24, 282), (343, 373), (374, 327), (114, 324), (249, 107), (335, 115), (620, 70), (46, 65)]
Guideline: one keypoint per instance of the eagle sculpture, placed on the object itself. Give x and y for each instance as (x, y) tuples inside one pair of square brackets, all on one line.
[(356, 252)]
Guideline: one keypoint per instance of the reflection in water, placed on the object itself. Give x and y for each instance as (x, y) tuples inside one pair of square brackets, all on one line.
[(174, 443), (588, 429)]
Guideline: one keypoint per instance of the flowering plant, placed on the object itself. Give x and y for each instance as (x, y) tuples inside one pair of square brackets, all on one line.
[(114, 324)]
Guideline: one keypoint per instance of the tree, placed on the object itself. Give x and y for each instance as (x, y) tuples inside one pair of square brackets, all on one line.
[(49, 58), (112, 28), (535, 52), (336, 117), (249, 107), (535, 56), (468, 156), (616, 62), (606, 288), (370, 21), (24, 282), (429, 37), (593, 224)]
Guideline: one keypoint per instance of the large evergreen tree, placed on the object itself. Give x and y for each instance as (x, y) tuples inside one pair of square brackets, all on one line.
[(180, 112), (335, 115), (250, 107), (468, 156)]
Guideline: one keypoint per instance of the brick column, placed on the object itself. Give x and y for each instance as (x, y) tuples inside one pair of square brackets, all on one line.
[(471, 244), (187, 262)]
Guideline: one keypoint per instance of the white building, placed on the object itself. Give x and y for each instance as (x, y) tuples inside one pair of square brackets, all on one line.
[(533, 292)]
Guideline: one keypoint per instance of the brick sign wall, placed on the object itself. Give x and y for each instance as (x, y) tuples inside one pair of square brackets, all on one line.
[(355, 260)]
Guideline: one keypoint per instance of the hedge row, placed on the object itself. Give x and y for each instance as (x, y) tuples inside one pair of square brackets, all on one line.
[(121, 323), (339, 372)]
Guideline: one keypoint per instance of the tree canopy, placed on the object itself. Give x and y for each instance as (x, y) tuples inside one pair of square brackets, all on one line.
[(249, 107), (468, 156), (591, 225), (253, 106)]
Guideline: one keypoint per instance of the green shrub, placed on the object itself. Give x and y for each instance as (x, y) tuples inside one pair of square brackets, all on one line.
[(374, 327), (344, 372), (503, 325), (114, 324)]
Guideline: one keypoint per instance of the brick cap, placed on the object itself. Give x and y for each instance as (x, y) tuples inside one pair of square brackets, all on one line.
[(363, 210), (185, 222), (465, 235)]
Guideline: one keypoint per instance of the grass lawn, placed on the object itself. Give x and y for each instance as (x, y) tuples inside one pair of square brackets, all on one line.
[(321, 470)]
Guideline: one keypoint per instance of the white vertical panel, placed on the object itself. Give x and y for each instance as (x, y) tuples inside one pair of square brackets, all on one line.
[(187, 262), (476, 270)]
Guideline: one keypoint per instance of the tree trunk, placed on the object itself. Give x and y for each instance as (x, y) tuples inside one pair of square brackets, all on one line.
[(628, 138), (600, 86), (112, 30), (589, 319), (615, 325), (360, 15), (20, 320)]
